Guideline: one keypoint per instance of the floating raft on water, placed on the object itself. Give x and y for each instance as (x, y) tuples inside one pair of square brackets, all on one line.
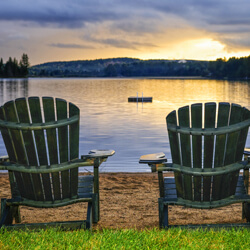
[(140, 99)]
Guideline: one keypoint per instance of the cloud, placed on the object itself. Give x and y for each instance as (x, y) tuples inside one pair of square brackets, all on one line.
[(129, 15), (70, 46), (136, 25), (71, 14), (120, 43)]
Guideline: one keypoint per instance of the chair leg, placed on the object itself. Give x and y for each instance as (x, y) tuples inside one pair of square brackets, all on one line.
[(6, 213), (15, 211), (96, 216), (246, 211), (89, 216), (163, 214)]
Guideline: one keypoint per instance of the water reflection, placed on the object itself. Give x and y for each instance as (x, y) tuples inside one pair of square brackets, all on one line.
[(13, 88), (109, 121)]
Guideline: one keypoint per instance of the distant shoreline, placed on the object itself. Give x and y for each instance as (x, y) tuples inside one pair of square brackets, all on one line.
[(128, 77)]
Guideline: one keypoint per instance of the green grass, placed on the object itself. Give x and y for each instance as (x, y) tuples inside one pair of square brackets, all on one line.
[(126, 239)]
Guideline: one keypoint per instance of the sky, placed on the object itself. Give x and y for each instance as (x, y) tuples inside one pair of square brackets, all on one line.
[(64, 30)]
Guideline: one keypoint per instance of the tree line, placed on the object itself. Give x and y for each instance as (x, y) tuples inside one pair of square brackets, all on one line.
[(233, 68), (13, 68), (121, 67)]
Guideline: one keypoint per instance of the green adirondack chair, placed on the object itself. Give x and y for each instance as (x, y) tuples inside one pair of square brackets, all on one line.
[(41, 137), (207, 144)]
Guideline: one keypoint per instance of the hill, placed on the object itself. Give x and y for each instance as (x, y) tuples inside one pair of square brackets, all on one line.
[(120, 67)]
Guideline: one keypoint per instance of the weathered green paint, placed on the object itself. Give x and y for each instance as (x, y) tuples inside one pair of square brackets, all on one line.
[(42, 139), (218, 181), (183, 115), (207, 145), (196, 118), (74, 145), (36, 116), (175, 149)]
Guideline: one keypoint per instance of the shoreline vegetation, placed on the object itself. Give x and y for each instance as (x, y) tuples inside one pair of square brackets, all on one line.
[(231, 69), (14, 69)]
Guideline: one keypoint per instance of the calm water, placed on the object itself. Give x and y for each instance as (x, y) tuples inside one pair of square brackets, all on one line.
[(108, 121)]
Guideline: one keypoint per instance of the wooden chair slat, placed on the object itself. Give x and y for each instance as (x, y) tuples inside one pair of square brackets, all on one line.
[(243, 135), (85, 190), (240, 189), (231, 149), (49, 115), (74, 147), (61, 110), (173, 138), (74, 135), (209, 122), (232, 140), (184, 120), (170, 187), (7, 139), (23, 115), (175, 150), (20, 183), (46, 179), (85, 184), (16, 138), (196, 118), (36, 117), (56, 186), (85, 180), (223, 118), (19, 148), (38, 187)]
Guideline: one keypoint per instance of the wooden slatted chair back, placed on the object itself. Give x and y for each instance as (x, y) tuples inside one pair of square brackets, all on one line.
[(54, 142), (211, 136)]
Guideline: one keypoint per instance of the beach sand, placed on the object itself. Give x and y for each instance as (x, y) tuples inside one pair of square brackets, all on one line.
[(128, 200)]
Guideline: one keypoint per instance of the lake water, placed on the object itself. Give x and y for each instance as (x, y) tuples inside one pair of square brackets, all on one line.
[(109, 121)]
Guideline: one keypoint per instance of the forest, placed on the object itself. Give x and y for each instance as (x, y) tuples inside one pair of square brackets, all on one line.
[(12, 68), (121, 67), (233, 68)]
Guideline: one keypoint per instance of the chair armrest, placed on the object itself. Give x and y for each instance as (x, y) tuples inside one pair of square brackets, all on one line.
[(3, 160), (156, 158), (246, 151), (98, 153), (247, 154)]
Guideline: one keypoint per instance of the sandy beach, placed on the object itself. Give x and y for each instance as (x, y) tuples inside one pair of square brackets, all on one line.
[(128, 200)]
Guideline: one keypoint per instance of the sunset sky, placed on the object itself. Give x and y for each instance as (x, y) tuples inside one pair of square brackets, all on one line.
[(63, 30)]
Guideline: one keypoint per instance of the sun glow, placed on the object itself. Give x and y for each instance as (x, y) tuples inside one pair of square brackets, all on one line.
[(197, 49)]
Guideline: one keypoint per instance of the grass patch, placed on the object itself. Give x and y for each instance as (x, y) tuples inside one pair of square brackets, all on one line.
[(126, 239)]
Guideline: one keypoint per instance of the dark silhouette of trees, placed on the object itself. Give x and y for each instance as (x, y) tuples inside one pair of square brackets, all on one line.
[(110, 70), (14, 69), (24, 65), (233, 68)]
